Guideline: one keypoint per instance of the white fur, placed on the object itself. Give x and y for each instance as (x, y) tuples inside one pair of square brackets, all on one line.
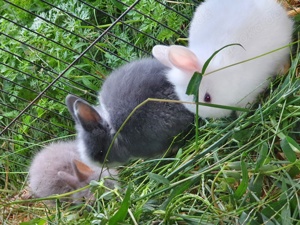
[(259, 26), (82, 151), (105, 114)]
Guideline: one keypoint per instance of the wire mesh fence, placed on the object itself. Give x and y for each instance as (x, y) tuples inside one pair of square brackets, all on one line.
[(52, 48)]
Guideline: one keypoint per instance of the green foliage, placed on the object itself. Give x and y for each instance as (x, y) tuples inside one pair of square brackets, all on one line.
[(20, 11)]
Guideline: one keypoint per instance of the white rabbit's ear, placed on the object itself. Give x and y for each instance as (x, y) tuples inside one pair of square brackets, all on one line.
[(69, 179), (161, 53), (82, 171), (183, 58), (177, 56)]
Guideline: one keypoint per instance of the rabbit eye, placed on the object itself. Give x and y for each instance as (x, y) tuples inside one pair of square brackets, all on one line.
[(207, 98)]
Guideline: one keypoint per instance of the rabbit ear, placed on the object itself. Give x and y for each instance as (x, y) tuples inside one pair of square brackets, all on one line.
[(69, 179), (161, 53), (177, 56), (89, 118), (82, 171), (183, 58), (70, 100)]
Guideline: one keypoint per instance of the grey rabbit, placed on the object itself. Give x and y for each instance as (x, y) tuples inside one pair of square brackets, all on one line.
[(57, 169), (150, 130)]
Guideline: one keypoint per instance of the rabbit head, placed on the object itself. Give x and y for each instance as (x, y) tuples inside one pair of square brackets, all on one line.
[(94, 132), (82, 175), (213, 88)]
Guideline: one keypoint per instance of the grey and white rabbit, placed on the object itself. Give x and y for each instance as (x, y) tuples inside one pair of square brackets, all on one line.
[(57, 169), (260, 26), (150, 130)]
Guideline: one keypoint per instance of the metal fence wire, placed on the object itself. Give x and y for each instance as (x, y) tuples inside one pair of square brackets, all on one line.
[(51, 48)]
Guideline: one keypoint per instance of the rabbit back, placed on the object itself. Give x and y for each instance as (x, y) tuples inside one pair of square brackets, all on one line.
[(151, 128), (259, 26)]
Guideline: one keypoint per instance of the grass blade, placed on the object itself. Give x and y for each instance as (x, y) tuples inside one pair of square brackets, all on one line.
[(194, 84), (287, 149), (121, 214), (159, 179), (213, 55), (263, 153), (244, 184)]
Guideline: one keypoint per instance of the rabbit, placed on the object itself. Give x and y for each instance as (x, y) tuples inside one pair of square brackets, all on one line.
[(259, 26), (150, 130), (57, 169)]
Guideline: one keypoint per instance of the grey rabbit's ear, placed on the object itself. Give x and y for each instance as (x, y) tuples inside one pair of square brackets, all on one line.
[(69, 179), (82, 171), (81, 111), (87, 115), (70, 100)]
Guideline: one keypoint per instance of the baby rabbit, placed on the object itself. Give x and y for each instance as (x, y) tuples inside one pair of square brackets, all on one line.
[(150, 130), (57, 169), (259, 26)]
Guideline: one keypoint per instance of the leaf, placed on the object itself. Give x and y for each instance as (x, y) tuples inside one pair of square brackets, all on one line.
[(287, 149), (294, 145), (263, 153), (285, 210), (36, 221), (267, 220), (242, 136), (244, 183), (246, 219), (272, 209), (256, 186), (120, 215), (194, 84), (159, 179), (89, 84)]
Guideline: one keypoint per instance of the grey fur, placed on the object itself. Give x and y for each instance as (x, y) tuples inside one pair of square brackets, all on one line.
[(53, 169), (149, 132)]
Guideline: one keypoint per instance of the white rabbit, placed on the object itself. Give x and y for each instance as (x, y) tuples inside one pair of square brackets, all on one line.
[(57, 169), (260, 26)]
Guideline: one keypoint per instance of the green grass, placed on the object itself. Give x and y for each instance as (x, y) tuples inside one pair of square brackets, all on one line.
[(240, 171)]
